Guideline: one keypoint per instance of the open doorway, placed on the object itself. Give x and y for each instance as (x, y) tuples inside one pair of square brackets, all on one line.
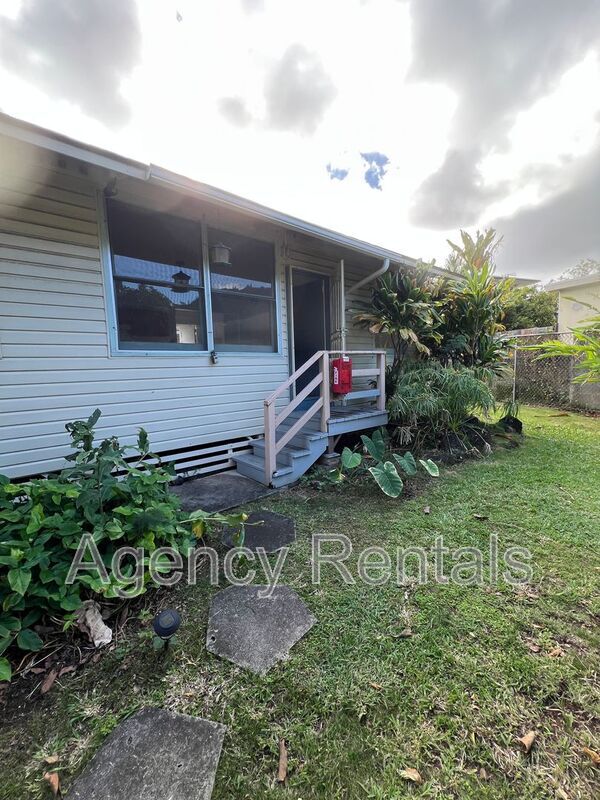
[(310, 319)]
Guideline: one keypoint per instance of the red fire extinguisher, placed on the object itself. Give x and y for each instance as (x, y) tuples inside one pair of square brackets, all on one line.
[(342, 375)]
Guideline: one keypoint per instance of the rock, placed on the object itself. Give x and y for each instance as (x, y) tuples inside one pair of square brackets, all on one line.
[(219, 492), (265, 529), (256, 632), (154, 755)]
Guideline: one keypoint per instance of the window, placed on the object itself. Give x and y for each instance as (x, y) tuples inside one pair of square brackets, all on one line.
[(158, 273), (242, 279), (158, 279)]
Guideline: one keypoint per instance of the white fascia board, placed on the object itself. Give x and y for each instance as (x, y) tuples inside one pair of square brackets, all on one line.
[(212, 194), (572, 283), (49, 140), (72, 149)]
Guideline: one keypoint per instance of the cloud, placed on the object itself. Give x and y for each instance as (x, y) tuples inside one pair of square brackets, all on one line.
[(553, 236), (298, 91), (337, 173), (455, 195), (252, 5), (78, 51), (376, 169), (234, 110), (499, 57)]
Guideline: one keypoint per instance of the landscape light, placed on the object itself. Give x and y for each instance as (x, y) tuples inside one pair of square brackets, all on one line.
[(166, 624)]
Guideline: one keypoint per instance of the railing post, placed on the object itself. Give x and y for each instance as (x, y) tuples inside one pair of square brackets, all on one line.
[(381, 383), (325, 410), (270, 434)]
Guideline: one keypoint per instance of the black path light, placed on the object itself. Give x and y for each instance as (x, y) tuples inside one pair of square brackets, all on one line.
[(166, 624)]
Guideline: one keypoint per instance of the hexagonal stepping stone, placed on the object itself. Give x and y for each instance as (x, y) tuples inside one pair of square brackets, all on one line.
[(256, 632), (265, 529), (154, 755)]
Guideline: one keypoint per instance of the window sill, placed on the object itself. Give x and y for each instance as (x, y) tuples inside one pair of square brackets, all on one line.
[(221, 354)]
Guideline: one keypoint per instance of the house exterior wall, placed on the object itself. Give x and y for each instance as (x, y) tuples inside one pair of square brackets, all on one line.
[(56, 359), (572, 308)]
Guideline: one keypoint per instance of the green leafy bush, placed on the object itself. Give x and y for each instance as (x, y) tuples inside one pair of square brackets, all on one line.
[(118, 494), (431, 400), (585, 347), (404, 307), (383, 470)]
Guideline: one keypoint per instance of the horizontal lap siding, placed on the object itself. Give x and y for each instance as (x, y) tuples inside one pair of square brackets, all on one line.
[(55, 364), (307, 255)]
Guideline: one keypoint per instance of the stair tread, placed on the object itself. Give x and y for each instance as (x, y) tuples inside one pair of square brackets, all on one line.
[(259, 463), (294, 451)]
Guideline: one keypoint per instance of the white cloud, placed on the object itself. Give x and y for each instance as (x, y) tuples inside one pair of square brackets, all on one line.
[(199, 102)]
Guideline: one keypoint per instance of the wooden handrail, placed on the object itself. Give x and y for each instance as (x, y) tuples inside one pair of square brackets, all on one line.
[(356, 352), (293, 377), (298, 425), (322, 404), (298, 399)]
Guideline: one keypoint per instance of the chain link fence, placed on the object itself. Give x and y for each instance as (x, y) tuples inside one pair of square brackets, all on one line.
[(549, 381)]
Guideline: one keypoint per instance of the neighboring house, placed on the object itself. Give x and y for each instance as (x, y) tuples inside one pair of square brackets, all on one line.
[(575, 296), (175, 306), (519, 283)]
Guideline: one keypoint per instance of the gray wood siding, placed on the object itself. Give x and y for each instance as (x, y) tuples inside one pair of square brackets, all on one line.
[(55, 360), (56, 363)]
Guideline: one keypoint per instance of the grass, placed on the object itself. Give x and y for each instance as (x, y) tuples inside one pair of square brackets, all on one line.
[(356, 703)]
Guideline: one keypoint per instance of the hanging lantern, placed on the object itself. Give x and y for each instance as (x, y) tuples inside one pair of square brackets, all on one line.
[(220, 254), (182, 281)]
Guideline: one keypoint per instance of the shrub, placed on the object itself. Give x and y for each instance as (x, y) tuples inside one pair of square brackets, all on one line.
[(118, 494), (431, 400), (528, 307), (585, 347), (473, 305), (404, 307), (378, 461)]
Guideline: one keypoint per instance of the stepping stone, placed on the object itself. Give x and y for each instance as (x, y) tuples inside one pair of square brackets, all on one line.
[(154, 755), (219, 492), (256, 632), (265, 529)]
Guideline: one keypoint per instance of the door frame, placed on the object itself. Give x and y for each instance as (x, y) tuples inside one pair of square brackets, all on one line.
[(290, 311)]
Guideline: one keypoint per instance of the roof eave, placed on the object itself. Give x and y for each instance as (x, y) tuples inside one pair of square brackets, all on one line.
[(120, 165)]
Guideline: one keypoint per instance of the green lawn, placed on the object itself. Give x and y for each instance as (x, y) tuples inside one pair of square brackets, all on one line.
[(358, 704)]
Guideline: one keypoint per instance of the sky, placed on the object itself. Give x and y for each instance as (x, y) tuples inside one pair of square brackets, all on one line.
[(396, 121)]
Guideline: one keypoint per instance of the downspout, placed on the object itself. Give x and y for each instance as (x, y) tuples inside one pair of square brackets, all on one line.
[(384, 268), (342, 309)]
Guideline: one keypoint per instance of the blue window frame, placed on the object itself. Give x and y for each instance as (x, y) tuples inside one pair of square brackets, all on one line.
[(158, 282), (178, 286)]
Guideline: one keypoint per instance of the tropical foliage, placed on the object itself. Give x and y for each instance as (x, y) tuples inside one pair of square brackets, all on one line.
[(585, 347), (455, 326), (431, 400), (117, 494), (527, 307), (455, 319), (404, 307), (382, 464), (473, 305)]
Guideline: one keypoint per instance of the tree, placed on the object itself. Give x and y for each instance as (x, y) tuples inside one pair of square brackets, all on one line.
[(473, 304), (585, 267), (404, 306), (528, 307)]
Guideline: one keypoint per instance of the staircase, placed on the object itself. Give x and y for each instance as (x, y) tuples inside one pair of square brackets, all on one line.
[(299, 432)]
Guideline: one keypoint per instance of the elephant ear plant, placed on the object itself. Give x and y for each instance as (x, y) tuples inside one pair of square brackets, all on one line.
[(383, 470), (120, 496)]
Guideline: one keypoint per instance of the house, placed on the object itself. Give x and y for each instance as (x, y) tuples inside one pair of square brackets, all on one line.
[(207, 319), (575, 296)]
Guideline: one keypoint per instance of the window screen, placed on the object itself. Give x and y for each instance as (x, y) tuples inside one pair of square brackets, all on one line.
[(242, 277), (157, 273)]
